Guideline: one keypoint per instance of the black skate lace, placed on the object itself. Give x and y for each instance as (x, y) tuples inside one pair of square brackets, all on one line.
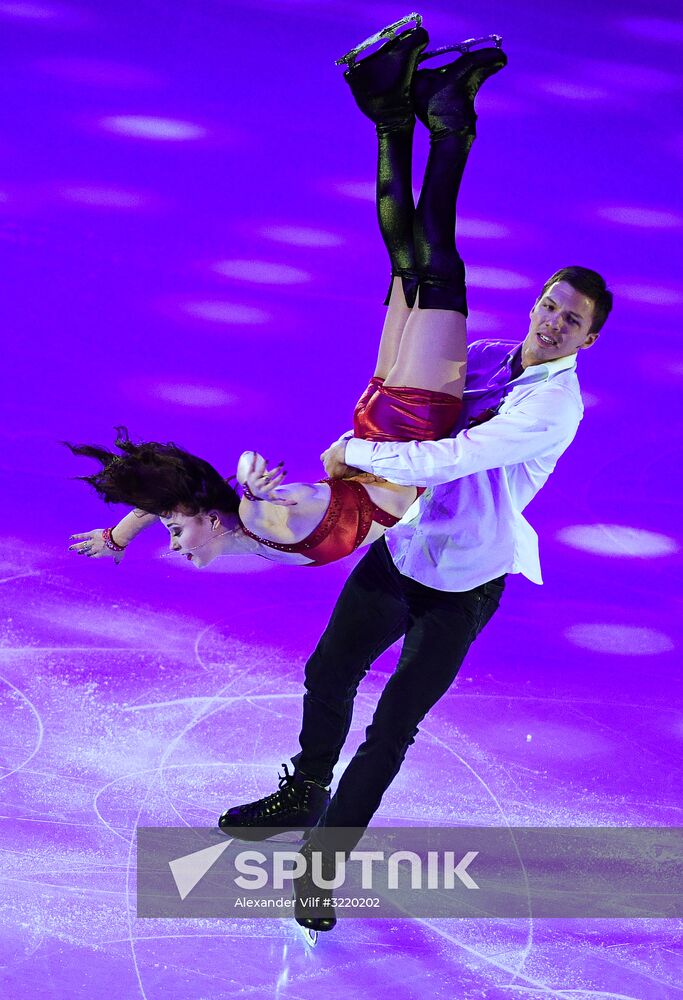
[(286, 791)]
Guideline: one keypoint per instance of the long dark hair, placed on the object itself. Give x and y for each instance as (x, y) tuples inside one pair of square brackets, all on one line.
[(157, 478)]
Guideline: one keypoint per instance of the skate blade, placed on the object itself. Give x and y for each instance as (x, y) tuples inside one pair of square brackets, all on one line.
[(462, 47), (310, 936), (385, 34)]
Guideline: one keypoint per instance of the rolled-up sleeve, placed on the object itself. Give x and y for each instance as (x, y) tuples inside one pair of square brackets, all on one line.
[(543, 423)]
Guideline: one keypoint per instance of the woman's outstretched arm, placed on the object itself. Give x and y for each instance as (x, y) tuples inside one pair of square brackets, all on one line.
[(92, 543)]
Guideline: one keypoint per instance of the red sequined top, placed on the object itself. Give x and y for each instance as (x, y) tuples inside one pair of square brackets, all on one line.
[(344, 527)]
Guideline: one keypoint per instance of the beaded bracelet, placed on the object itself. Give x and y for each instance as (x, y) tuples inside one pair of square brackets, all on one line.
[(109, 541), (248, 495)]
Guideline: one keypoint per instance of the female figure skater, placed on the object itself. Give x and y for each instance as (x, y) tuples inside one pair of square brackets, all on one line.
[(416, 390)]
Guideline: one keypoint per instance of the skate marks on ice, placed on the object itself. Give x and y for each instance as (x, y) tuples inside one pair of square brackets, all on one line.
[(533, 963), (15, 694), (171, 732)]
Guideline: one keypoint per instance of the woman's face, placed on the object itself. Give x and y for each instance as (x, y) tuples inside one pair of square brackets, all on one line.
[(194, 536)]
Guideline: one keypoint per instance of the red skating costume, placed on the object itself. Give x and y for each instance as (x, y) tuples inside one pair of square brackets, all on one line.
[(383, 413)]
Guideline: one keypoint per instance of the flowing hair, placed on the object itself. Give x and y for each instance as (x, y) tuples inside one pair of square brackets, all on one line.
[(157, 478)]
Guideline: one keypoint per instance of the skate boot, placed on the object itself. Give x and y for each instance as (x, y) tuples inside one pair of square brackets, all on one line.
[(381, 83), (297, 805), (312, 907), (443, 98)]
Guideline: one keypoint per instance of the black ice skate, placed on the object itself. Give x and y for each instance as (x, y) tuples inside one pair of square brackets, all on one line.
[(381, 82), (388, 33), (312, 905), (443, 98), (297, 805), (462, 47)]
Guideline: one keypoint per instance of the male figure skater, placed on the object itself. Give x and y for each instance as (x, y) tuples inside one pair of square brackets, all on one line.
[(437, 577)]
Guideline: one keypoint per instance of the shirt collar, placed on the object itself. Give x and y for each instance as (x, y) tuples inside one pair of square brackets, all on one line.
[(538, 373)]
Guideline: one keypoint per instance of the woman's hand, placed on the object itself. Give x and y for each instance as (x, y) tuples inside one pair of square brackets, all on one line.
[(262, 482), (91, 544)]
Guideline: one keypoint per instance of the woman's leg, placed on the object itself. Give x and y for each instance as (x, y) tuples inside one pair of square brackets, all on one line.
[(381, 85), (395, 321), (432, 352), (422, 353), (433, 349)]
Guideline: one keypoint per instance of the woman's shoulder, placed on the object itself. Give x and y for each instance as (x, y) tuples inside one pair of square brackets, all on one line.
[(307, 498)]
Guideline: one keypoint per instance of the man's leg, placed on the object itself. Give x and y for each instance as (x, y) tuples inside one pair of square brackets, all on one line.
[(370, 614), (441, 628)]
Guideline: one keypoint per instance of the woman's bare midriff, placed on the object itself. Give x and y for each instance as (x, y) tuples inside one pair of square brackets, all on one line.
[(289, 526)]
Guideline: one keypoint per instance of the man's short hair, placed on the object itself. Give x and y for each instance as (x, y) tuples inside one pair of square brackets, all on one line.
[(589, 283)]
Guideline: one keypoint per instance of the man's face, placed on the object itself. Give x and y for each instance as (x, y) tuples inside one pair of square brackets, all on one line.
[(560, 324)]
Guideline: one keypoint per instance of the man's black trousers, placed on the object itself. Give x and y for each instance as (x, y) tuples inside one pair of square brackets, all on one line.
[(377, 606)]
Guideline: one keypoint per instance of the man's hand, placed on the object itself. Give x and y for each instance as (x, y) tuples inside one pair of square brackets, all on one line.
[(333, 460)]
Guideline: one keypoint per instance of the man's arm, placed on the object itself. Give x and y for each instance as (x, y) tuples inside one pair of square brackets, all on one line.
[(542, 424)]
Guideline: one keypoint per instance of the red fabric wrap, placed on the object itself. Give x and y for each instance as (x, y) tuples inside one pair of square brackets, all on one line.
[(372, 387), (393, 413), (400, 413), (347, 521), (344, 527)]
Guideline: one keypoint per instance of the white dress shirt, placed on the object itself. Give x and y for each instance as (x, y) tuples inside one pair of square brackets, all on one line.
[(468, 527)]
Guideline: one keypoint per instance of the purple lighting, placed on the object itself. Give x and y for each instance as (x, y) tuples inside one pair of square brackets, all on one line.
[(190, 249), (645, 218), (261, 272), (98, 72), (656, 29), (360, 190), (301, 236), (148, 127), (193, 395), (29, 11), (618, 540), (652, 295), (496, 277), (231, 313), (483, 322), (637, 78), (104, 197), (620, 640), (573, 91), (589, 399), (482, 229)]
